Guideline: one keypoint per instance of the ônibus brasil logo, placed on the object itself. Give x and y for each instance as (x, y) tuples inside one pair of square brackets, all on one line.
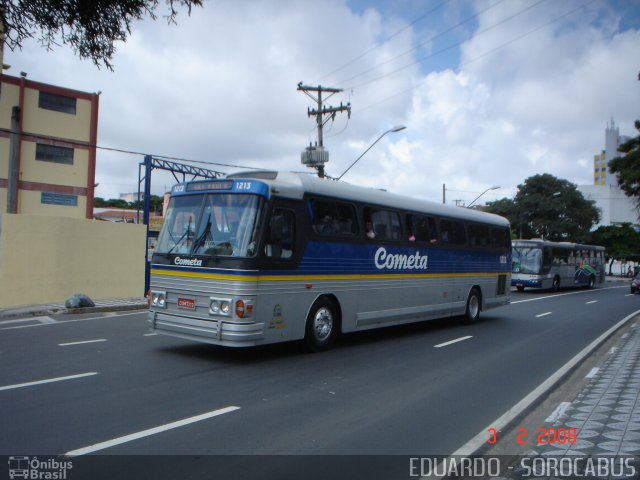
[(37, 469), (398, 261)]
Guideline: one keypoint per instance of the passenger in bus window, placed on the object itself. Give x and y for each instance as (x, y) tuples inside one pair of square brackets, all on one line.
[(330, 226), (409, 225), (369, 228)]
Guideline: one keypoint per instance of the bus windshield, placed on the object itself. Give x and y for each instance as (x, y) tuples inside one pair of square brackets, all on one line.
[(527, 260), (211, 224)]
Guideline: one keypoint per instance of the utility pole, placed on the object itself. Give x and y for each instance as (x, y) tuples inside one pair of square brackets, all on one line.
[(14, 162), (316, 156)]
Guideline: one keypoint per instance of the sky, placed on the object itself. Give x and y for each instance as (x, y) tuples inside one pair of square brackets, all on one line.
[(491, 92)]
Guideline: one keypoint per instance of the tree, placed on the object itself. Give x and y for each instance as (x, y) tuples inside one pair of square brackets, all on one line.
[(627, 167), (548, 207), (91, 28), (621, 242), (505, 207), (155, 204)]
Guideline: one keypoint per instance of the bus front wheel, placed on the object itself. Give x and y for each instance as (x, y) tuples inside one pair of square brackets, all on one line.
[(472, 312), (592, 281), (322, 325)]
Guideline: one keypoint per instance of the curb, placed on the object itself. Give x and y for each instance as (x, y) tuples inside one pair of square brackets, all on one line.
[(478, 444), (43, 310)]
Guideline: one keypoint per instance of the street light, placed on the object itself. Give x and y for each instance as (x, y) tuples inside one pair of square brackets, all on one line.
[(391, 130), (495, 187)]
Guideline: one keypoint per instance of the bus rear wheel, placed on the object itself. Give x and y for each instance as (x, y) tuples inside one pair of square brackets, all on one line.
[(592, 281), (472, 312), (556, 284), (322, 325)]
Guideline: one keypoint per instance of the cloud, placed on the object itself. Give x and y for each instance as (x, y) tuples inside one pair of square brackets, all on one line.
[(538, 104), (221, 87)]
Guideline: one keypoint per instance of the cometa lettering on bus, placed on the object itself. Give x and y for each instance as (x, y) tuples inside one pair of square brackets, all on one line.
[(390, 261)]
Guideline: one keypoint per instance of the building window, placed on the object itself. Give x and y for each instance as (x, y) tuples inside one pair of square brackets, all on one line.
[(51, 153), (48, 198), (59, 103)]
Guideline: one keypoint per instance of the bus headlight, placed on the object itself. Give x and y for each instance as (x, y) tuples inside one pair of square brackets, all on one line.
[(225, 307), (214, 306), (158, 299), (220, 306)]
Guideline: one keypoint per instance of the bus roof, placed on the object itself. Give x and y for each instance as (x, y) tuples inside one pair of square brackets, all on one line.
[(296, 185), (538, 242)]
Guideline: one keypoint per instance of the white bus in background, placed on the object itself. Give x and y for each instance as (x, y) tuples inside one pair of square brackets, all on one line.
[(553, 265)]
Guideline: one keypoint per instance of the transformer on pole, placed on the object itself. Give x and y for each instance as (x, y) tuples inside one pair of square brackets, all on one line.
[(316, 156)]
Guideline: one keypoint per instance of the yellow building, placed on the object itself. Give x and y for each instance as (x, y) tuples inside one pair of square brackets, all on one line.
[(55, 158), (600, 169)]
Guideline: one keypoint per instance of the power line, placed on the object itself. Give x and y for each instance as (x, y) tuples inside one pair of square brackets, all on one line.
[(513, 40), (386, 40), (421, 44), (433, 54), (120, 150)]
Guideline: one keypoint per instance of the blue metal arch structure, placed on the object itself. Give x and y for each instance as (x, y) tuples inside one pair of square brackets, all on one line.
[(147, 166)]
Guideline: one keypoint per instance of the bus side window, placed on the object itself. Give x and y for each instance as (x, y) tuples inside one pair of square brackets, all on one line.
[(280, 236), (386, 224), (445, 229), (332, 219), (421, 228)]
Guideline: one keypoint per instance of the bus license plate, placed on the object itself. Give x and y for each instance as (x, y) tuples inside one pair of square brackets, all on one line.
[(188, 303)]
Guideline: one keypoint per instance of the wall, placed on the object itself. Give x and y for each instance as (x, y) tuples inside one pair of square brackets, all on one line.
[(45, 186), (615, 207), (46, 259)]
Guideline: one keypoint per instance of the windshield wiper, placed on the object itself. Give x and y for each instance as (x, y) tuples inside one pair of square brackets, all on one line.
[(185, 234), (204, 238)]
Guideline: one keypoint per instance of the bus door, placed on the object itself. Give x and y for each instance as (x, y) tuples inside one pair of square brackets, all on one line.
[(282, 248)]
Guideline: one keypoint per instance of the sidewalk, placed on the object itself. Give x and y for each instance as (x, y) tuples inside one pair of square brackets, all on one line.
[(602, 423), (105, 305), (592, 415), (606, 414)]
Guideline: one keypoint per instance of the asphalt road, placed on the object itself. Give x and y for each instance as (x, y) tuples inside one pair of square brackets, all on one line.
[(395, 391)]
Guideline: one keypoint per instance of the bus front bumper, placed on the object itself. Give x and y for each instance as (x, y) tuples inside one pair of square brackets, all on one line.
[(532, 283), (217, 332)]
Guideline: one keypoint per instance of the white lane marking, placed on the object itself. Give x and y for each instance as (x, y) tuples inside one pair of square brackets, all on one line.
[(558, 412), (453, 341), (48, 380), (592, 373), (624, 336), (629, 294), (83, 342), (544, 314), (150, 334), (501, 422), (58, 322), (592, 301), (151, 431), (41, 320), (613, 350), (564, 294)]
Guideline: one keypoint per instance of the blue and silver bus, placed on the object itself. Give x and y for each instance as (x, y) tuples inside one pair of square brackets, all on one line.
[(265, 257), (553, 265)]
